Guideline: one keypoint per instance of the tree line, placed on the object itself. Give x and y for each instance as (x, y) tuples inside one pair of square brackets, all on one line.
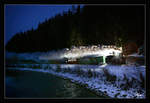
[(89, 25)]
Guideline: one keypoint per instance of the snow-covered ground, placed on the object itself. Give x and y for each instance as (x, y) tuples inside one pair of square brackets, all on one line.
[(114, 81)]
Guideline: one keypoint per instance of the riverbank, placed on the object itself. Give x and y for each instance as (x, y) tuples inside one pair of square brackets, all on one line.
[(102, 81), (31, 84)]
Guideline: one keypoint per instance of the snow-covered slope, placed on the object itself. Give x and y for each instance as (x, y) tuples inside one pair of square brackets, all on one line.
[(114, 81)]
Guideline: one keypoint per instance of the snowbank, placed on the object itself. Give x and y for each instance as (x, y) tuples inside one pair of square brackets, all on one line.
[(114, 81)]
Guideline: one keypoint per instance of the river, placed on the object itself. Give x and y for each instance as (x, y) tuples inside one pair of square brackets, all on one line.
[(31, 84)]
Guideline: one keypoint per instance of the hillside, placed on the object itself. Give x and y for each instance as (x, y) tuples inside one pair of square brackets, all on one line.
[(89, 25)]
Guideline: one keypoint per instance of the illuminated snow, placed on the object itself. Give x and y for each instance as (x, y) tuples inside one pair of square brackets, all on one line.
[(81, 51), (73, 52)]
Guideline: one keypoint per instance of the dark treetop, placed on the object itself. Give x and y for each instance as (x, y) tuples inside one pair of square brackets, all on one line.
[(89, 25)]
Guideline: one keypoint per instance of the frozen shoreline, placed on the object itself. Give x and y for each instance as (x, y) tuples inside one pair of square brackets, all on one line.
[(95, 83)]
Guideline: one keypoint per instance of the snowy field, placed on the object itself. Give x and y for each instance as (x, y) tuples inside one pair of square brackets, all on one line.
[(113, 81)]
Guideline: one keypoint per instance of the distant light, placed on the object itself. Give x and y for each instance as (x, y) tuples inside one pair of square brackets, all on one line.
[(81, 51)]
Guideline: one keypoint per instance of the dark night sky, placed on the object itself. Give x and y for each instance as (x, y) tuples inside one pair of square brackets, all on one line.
[(23, 17)]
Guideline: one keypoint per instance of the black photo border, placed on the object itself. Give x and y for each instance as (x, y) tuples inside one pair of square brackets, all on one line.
[(2, 53)]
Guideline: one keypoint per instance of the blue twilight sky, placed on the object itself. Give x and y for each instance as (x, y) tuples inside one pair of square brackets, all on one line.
[(24, 17)]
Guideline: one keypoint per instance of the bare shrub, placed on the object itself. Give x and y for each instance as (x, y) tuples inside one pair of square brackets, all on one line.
[(90, 74), (142, 83), (79, 72), (109, 77), (58, 69), (128, 84), (95, 74)]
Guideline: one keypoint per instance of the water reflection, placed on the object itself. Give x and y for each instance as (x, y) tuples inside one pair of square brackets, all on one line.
[(29, 84)]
